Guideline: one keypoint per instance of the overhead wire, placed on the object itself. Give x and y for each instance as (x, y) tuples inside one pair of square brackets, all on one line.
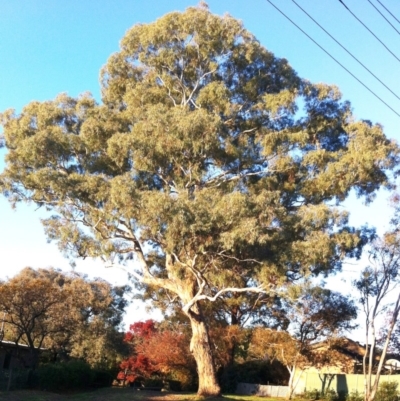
[(388, 10), (346, 50), (380, 12), (369, 30), (333, 58)]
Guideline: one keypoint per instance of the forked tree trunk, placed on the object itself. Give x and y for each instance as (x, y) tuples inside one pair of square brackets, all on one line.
[(201, 349), (290, 392)]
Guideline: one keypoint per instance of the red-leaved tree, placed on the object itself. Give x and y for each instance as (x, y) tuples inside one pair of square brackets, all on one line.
[(137, 365), (157, 351)]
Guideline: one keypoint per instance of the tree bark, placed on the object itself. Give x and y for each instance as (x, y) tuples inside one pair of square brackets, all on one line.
[(201, 349)]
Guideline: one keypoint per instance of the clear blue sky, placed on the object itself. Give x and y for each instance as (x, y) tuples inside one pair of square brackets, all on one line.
[(50, 46)]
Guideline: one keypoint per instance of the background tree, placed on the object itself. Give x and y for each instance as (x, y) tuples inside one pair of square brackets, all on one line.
[(278, 345), (199, 165), (375, 285), (64, 313), (29, 302), (97, 336), (315, 314)]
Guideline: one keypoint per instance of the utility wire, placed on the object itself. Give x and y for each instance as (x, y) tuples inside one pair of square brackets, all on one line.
[(380, 12), (369, 30), (348, 52), (388, 11), (333, 58)]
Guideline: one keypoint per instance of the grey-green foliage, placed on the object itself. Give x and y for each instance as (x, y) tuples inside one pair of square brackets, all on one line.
[(197, 152)]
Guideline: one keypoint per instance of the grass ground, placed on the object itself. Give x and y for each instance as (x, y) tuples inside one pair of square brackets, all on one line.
[(115, 394)]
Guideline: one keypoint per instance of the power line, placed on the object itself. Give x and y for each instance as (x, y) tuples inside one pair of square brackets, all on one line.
[(333, 58), (380, 12), (348, 52), (369, 30), (388, 11)]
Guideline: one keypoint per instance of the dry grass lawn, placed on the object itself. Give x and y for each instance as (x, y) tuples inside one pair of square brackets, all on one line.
[(114, 394)]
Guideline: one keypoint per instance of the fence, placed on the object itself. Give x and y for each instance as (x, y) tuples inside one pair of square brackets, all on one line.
[(341, 383), (306, 381), (261, 390)]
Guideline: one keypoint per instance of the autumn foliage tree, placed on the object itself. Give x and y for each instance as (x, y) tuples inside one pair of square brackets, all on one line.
[(208, 160), (64, 313), (163, 352)]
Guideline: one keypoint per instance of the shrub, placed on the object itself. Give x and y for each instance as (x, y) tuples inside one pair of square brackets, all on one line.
[(311, 394), (65, 376), (355, 396), (387, 391), (330, 395)]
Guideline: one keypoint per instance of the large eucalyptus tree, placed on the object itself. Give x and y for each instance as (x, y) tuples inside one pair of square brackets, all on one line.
[(209, 166)]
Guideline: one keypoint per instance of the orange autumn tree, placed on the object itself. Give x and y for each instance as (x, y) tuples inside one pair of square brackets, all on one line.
[(157, 351), (137, 365)]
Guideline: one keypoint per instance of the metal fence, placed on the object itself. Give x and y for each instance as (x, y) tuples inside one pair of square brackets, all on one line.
[(262, 390)]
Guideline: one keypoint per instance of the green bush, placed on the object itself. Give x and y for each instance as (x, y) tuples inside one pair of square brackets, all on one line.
[(330, 395), (355, 396), (387, 391), (311, 394), (65, 376)]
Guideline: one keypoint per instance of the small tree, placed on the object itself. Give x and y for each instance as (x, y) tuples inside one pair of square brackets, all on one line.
[(377, 281)]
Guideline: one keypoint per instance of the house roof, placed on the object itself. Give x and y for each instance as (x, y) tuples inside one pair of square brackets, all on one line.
[(350, 348), (12, 344)]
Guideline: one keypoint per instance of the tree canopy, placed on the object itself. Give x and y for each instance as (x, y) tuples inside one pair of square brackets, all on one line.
[(207, 161)]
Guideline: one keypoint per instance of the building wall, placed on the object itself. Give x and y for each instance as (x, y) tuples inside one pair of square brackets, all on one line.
[(10, 357)]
